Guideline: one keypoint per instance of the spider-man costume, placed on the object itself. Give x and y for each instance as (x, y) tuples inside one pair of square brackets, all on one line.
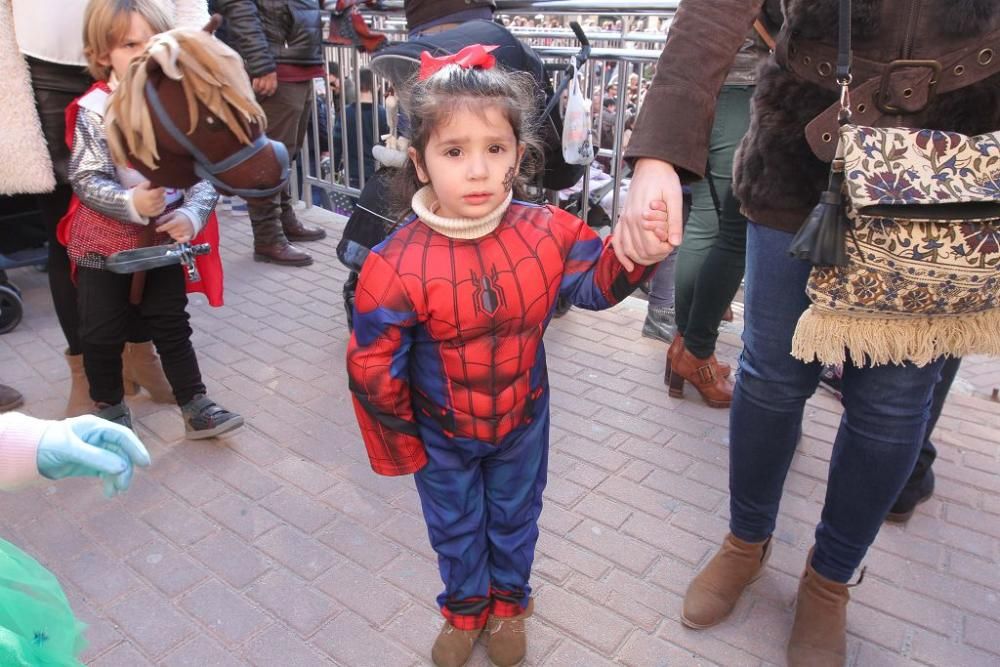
[(447, 370)]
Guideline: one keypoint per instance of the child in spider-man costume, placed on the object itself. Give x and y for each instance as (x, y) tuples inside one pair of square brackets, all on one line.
[(446, 363)]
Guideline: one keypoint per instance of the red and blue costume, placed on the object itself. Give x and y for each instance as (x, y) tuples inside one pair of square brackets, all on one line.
[(447, 370)]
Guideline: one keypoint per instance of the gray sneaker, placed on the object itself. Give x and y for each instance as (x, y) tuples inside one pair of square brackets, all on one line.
[(659, 324), (204, 418), (118, 413)]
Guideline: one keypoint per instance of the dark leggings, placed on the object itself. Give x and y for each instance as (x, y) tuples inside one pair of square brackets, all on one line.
[(53, 206), (106, 316)]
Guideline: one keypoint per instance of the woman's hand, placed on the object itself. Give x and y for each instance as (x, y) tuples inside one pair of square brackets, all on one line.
[(644, 235)]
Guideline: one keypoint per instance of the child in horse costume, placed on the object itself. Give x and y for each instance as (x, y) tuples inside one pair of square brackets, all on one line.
[(117, 209)]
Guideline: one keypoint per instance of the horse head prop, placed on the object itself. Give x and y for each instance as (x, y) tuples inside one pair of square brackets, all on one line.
[(186, 111)]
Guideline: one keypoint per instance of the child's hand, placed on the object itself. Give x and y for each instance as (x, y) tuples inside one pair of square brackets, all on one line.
[(177, 225), (149, 202), (655, 217)]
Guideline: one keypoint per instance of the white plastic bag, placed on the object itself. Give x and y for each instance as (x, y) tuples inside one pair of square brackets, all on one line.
[(577, 146)]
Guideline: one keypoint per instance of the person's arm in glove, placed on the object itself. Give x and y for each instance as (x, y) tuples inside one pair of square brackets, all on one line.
[(87, 446)]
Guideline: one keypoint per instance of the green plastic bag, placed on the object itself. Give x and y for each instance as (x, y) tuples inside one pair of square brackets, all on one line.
[(37, 626)]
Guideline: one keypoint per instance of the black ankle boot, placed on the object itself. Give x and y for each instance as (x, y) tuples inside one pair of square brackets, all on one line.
[(915, 492)]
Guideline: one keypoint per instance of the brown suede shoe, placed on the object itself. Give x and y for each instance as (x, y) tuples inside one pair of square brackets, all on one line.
[(712, 594), (705, 374), (10, 398), (453, 647), (819, 633), (508, 642), (141, 368), (281, 253)]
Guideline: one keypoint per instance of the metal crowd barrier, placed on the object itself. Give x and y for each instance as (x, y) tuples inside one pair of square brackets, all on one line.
[(615, 54)]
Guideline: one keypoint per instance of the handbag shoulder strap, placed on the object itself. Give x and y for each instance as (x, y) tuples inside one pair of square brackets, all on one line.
[(765, 36), (844, 61)]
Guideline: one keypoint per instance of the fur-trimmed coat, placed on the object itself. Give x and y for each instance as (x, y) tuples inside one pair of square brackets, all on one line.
[(777, 176), (25, 162)]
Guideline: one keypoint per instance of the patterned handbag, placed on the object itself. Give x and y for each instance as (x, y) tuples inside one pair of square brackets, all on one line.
[(922, 277), (905, 244)]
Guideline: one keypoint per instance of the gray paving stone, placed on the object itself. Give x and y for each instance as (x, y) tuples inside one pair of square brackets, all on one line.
[(230, 558), (151, 621), (232, 617), (278, 646), (286, 597), (358, 587), (167, 568)]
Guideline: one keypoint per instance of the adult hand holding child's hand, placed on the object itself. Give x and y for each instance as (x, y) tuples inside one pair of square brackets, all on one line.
[(149, 202), (650, 224)]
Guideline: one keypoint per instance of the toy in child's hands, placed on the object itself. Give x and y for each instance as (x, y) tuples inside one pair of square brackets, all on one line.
[(186, 111), (153, 257)]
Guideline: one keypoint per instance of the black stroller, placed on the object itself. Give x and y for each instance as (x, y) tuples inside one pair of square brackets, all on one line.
[(372, 220), (22, 243)]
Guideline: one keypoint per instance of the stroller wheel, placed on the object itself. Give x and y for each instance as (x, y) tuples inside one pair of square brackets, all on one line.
[(15, 289), (11, 308)]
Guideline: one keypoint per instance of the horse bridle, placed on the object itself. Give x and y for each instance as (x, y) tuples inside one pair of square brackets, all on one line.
[(208, 170)]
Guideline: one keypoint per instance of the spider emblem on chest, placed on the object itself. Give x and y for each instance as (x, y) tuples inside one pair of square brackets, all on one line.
[(488, 295)]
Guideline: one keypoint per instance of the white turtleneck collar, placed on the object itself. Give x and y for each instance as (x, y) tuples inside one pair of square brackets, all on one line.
[(425, 205)]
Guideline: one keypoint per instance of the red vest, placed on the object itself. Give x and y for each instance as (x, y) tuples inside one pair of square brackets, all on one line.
[(83, 230)]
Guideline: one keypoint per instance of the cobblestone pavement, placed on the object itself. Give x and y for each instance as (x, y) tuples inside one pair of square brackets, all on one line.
[(279, 546)]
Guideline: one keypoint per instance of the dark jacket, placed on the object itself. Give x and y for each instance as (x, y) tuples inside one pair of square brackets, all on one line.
[(367, 139), (777, 175), (268, 32), (419, 12)]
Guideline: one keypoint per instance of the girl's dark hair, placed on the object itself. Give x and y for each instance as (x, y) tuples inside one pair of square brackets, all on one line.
[(432, 101)]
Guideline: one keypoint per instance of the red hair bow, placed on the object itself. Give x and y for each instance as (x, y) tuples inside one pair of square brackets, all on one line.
[(474, 55)]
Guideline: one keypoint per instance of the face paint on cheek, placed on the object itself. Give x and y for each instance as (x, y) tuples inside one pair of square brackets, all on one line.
[(508, 179)]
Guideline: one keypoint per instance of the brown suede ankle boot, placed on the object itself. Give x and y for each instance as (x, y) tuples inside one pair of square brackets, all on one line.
[(453, 647), (819, 633), (79, 390), (712, 594), (705, 374), (508, 642), (141, 368)]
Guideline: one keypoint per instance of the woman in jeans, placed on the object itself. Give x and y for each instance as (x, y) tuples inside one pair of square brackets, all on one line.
[(778, 180)]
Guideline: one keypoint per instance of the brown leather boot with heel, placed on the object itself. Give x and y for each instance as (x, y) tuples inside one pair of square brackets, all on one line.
[(819, 633), (141, 368), (725, 370), (705, 374), (713, 593)]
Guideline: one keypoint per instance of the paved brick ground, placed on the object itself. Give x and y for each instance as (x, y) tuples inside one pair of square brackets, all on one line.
[(278, 546)]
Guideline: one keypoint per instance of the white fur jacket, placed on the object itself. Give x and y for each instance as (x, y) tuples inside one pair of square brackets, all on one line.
[(25, 165)]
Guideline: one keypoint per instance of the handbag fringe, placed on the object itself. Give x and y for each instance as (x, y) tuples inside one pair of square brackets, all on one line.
[(829, 336)]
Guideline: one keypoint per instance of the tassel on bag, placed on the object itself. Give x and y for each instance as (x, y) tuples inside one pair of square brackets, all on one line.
[(822, 239)]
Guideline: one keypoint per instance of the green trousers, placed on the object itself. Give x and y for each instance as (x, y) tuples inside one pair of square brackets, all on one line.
[(710, 261)]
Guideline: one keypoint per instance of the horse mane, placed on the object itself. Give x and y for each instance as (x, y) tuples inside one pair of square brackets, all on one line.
[(209, 72)]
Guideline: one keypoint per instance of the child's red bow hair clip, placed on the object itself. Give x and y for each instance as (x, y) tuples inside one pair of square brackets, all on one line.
[(474, 55)]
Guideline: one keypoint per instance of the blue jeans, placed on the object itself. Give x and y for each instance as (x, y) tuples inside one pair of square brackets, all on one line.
[(886, 409)]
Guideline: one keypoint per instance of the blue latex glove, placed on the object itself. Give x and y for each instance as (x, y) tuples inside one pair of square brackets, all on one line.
[(89, 446)]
